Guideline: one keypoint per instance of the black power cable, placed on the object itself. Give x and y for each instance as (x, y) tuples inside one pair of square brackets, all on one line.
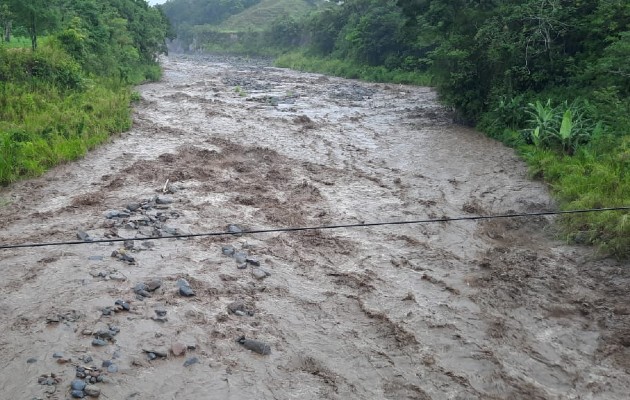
[(323, 227)]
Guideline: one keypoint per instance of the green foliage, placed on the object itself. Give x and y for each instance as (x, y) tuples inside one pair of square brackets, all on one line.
[(349, 69), (564, 127)]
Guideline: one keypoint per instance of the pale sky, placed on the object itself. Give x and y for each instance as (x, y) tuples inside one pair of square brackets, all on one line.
[(154, 2)]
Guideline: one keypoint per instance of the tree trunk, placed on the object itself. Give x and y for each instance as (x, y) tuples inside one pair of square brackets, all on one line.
[(33, 32), (7, 31)]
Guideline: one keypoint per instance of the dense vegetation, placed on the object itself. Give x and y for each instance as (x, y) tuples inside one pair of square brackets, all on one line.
[(66, 67), (548, 77)]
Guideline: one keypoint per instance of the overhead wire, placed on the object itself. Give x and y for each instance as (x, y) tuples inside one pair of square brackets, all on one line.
[(311, 228)]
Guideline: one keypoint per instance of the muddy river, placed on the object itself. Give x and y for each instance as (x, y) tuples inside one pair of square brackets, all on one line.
[(464, 310)]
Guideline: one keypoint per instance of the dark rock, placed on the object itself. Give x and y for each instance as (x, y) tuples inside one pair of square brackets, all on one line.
[(235, 229), (255, 345), (253, 262), (157, 352), (46, 381), (228, 250), (123, 304), (128, 244), (133, 206), (77, 394), (186, 291), (116, 214), (57, 355), (95, 258), (82, 235), (106, 363), (141, 289), (80, 374), (77, 384), (87, 359), (107, 311), (153, 284), (184, 288), (163, 200), (151, 356), (161, 312), (99, 342), (190, 361), (31, 360), (126, 258)]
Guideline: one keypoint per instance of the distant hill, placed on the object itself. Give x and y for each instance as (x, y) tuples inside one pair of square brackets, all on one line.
[(260, 16)]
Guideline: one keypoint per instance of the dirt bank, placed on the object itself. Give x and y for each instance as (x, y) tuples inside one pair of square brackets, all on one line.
[(493, 310)]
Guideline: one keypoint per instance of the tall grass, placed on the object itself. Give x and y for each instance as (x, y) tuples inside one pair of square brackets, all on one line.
[(348, 69), (51, 113)]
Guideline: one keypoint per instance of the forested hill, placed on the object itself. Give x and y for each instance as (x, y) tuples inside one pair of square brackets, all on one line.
[(66, 68), (548, 77), (212, 25)]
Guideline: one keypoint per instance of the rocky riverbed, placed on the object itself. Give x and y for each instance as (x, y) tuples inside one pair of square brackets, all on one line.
[(462, 310)]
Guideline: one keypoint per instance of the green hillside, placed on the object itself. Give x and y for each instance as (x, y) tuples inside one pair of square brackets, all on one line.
[(262, 15)]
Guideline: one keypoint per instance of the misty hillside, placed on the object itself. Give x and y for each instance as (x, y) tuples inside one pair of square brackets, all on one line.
[(263, 14)]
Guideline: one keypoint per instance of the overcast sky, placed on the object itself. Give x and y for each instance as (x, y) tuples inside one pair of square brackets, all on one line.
[(154, 2)]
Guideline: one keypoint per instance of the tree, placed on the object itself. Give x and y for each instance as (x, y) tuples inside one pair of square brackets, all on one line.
[(6, 17), (36, 15)]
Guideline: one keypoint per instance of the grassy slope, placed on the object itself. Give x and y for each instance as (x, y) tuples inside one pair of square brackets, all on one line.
[(260, 16)]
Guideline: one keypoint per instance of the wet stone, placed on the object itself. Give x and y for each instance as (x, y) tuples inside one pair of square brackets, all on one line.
[(260, 273), (228, 250), (133, 206), (151, 356), (186, 291), (255, 345), (153, 284), (99, 342), (235, 229), (191, 361), (78, 384), (184, 288), (178, 349), (92, 390), (253, 261), (123, 305), (240, 257), (117, 276), (163, 200), (82, 235)]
